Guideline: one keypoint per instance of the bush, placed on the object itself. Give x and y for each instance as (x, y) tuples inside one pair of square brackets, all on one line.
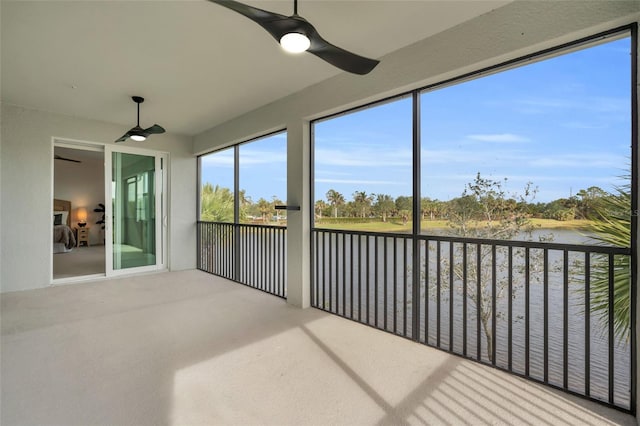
[(564, 214), (346, 220)]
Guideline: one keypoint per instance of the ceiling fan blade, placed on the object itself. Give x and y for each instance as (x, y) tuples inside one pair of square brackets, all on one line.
[(339, 57), (278, 25), (124, 137), (155, 129), (57, 157), (267, 20)]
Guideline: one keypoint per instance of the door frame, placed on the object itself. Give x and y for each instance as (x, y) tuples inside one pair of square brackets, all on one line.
[(162, 225)]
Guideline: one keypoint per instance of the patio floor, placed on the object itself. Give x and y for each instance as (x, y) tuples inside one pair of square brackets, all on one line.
[(190, 348)]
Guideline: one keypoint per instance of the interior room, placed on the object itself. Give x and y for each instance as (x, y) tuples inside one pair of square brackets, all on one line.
[(79, 179), (145, 310)]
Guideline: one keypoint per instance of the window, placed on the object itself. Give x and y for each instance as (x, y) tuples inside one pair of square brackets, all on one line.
[(262, 182), (533, 152), (510, 160), (216, 186), (363, 169), (530, 152)]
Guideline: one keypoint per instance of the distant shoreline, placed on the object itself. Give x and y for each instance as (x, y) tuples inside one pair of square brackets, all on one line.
[(397, 226)]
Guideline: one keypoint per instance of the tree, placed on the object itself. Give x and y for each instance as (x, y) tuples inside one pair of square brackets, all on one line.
[(404, 203), (404, 207), (430, 207), (265, 208), (613, 227), (320, 207), (363, 202), (243, 198), (275, 201), (485, 211), (462, 213), (335, 199), (561, 209), (350, 209), (383, 206), (245, 203), (216, 204), (588, 200)]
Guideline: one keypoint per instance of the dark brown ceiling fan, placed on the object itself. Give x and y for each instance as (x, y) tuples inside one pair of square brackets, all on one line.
[(137, 133), (296, 35)]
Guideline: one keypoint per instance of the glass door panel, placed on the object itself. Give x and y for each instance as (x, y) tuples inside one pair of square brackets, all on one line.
[(134, 210)]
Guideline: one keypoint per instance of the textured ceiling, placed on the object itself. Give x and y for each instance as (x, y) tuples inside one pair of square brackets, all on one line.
[(196, 63)]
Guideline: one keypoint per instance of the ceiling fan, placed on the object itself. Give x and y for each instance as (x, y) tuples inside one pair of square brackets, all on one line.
[(58, 157), (137, 133), (295, 34)]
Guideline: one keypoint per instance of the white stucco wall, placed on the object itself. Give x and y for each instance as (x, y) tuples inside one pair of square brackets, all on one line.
[(26, 191)]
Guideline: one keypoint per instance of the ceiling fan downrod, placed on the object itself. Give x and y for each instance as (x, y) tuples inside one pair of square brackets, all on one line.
[(138, 100)]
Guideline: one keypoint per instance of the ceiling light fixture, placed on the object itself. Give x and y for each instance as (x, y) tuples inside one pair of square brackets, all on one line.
[(295, 42), (295, 34), (137, 133)]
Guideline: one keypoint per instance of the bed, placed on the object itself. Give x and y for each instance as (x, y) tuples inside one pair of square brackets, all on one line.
[(63, 237)]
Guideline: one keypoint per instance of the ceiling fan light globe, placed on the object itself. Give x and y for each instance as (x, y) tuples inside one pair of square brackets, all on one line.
[(295, 42), (138, 138)]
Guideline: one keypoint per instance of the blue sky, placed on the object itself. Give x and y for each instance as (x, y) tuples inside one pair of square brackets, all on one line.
[(263, 168), (562, 124)]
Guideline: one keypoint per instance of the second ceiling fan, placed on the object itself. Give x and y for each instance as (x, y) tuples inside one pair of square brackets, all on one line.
[(137, 133), (296, 35)]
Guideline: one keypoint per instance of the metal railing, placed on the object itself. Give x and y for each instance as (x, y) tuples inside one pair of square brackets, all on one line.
[(524, 307), (254, 255)]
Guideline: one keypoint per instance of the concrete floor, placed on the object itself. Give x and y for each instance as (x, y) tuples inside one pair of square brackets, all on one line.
[(187, 348)]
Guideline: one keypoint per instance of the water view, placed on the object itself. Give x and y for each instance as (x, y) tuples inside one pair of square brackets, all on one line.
[(368, 278), (522, 253)]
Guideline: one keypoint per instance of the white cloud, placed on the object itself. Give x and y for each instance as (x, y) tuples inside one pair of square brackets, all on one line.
[(498, 137)]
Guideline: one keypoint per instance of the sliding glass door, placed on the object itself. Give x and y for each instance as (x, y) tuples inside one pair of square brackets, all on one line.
[(136, 210)]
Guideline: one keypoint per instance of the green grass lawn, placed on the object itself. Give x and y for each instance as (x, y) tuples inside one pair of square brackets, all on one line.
[(575, 224)]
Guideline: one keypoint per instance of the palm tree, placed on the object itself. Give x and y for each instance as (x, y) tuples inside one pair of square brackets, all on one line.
[(320, 207), (265, 208), (216, 204), (613, 227), (275, 201), (430, 207), (335, 199), (363, 201), (245, 202)]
